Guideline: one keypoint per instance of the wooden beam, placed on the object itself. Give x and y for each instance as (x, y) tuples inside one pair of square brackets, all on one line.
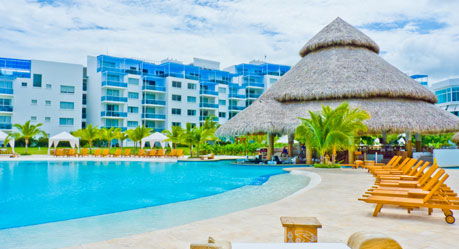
[(308, 155), (270, 145), (291, 139)]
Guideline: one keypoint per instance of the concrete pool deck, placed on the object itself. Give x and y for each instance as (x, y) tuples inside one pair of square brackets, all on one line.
[(333, 201)]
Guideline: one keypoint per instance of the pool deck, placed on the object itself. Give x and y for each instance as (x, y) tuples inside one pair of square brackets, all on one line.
[(333, 201)]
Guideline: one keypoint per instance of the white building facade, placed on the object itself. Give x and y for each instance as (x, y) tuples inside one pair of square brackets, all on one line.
[(447, 92)]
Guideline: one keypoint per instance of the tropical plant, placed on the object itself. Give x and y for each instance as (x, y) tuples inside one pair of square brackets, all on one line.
[(28, 131), (136, 135), (188, 138), (174, 135), (89, 134), (108, 134), (201, 135), (332, 129), (121, 136)]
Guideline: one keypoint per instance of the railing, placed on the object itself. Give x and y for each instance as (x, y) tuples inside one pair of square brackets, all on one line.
[(208, 105), (153, 116), (203, 118), (6, 91), (113, 114), (114, 83), (238, 108), (236, 96), (108, 127), (114, 98), (208, 92), (253, 96), (6, 108), (154, 88), (6, 126), (254, 84), (153, 102)]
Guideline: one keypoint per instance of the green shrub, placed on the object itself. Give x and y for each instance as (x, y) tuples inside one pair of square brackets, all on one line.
[(331, 166)]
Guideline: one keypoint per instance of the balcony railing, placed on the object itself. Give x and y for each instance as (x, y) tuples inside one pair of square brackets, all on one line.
[(208, 92), (203, 118), (236, 108), (122, 128), (6, 108), (113, 114), (6, 90), (153, 88), (114, 83), (153, 116), (253, 95), (236, 96), (208, 105), (254, 84), (114, 99), (6, 126), (153, 102)]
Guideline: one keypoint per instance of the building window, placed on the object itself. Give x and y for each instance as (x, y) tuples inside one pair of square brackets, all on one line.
[(193, 125), (176, 97), (191, 99), (47, 102), (37, 80), (444, 95), (191, 86), (222, 114), (34, 102), (114, 93), (33, 118), (177, 84), (222, 102), (67, 105), (133, 95), (132, 81), (272, 81), (176, 124), (67, 89), (84, 99), (133, 109), (48, 86), (176, 111), (24, 84), (222, 90), (47, 119), (132, 123), (66, 121), (191, 112)]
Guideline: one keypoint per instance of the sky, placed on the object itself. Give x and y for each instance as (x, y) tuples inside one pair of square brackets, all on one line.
[(417, 36)]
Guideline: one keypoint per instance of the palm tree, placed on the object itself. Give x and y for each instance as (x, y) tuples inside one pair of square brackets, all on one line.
[(202, 135), (90, 133), (137, 134), (174, 135), (121, 136), (332, 129), (108, 134), (28, 131), (188, 137)]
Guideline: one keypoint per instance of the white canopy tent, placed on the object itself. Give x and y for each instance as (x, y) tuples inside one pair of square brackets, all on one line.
[(64, 136), (155, 137), (3, 137)]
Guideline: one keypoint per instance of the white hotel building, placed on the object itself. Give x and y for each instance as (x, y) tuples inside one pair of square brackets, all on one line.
[(125, 93)]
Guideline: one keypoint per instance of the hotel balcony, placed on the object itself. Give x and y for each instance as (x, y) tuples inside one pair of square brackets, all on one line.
[(254, 85), (115, 84), (116, 127), (208, 105), (110, 114), (203, 118), (113, 99), (236, 108), (153, 88), (6, 90), (6, 108), (208, 93), (154, 102), (5, 126), (236, 96), (253, 95), (153, 116)]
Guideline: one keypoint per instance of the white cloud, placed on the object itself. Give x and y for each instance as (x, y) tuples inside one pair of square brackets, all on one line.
[(228, 31)]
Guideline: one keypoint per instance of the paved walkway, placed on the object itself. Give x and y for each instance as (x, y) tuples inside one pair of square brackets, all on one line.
[(333, 202)]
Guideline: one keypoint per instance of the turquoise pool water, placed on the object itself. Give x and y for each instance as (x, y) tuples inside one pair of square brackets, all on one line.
[(56, 204)]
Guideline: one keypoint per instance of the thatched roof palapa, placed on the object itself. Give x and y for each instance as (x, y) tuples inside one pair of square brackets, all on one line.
[(455, 138), (338, 64)]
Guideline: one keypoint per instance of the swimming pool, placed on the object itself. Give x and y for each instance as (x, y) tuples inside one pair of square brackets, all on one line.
[(42, 198)]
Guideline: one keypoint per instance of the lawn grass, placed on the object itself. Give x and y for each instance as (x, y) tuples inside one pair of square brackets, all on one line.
[(44, 150)]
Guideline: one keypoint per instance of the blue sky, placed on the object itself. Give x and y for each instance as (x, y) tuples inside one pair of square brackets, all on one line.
[(419, 37)]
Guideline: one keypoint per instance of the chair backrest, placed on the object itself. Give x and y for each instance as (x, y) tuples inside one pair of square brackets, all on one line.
[(436, 188), (105, 152), (173, 152), (160, 152), (97, 152), (405, 169), (402, 164), (421, 170), (118, 152), (415, 168), (127, 152), (71, 152), (153, 152), (392, 161), (84, 151), (431, 182), (395, 162), (59, 152), (141, 151), (180, 152), (427, 174)]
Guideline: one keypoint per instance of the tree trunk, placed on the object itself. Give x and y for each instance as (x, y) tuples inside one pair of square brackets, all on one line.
[(90, 146), (26, 144), (197, 150), (191, 150), (334, 155)]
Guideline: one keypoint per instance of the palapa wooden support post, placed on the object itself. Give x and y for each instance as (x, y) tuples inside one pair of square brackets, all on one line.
[(270, 145), (300, 229), (418, 142), (291, 139), (350, 154), (409, 145), (308, 155)]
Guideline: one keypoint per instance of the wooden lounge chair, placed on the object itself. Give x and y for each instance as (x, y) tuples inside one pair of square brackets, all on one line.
[(71, 152), (153, 153), (173, 153), (210, 156), (160, 153), (105, 152), (141, 153), (127, 153), (117, 153), (97, 152), (84, 152), (433, 199), (59, 152), (179, 153)]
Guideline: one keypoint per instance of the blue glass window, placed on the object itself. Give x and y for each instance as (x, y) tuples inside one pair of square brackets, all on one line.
[(67, 105), (66, 121)]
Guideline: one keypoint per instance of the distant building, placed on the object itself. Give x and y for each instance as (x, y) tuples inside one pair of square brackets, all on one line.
[(447, 92), (421, 78)]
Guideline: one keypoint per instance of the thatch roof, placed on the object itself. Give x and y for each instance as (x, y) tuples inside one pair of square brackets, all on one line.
[(341, 64), (455, 138)]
